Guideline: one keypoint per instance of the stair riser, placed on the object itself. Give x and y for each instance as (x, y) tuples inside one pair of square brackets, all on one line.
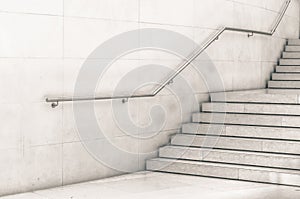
[(285, 91), (192, 169), (292, 48), (230, 157), (284, 84), (288, 69), (256, 120), (291, 55), (285, 147), (294, 42), (256, 98), (252, 108), (289, 62), (242, 131), (285, 77), (225, 172)]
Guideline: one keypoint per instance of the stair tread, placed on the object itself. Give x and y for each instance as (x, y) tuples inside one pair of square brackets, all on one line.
[(229, 165), (286, 76), (291, 55), (293, 59), (289, 62), (228, 171), (292, 48), (284, 84), (237, 143), (294, 156), (284, 91), (241, 138), (244, 107), (293, 42), (280, 133), (288, 69), (291, 81), (231, 156), (248, 119), (257, 96)]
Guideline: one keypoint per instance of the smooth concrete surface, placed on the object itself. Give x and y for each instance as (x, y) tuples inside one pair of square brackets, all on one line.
[(161, 186), (258, 96), (275, 109), (292, 48), (295, 42), (290, 55), (284, 91), (229, 171), (231, 157), (289, 62), (242, 131), (284, 84), (211, 152), (287, 69), (247, 119), (286, 76), (237, 143), (44, 44)]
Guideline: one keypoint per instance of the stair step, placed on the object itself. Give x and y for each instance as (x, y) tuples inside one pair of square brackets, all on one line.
[(237, 172), (292, 48), (247, 119), (291, 55), (255, 96), (295, 42), (284, 84), (288, 69), (285, 91), (275, 109), (289, 62), (231, 157), (233, 143), (242, 131), (245, 135), (286, 76)]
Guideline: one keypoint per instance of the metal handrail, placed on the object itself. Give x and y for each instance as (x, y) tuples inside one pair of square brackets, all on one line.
[(214, 37)]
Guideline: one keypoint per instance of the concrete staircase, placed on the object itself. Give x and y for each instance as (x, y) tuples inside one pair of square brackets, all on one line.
[(249, 135)]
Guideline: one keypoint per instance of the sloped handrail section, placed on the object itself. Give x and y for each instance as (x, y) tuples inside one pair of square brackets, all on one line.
[(55, 101)]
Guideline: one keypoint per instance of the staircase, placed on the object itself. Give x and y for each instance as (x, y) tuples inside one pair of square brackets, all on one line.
[(251, 136)]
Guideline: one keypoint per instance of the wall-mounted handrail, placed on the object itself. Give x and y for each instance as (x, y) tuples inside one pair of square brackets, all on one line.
[(186, 62)]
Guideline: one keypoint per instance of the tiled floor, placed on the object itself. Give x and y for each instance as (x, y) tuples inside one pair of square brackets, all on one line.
[(146, 185)]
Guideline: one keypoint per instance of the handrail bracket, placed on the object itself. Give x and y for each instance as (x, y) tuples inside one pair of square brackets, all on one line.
[(54, 104), (250, 34), (125, 100)]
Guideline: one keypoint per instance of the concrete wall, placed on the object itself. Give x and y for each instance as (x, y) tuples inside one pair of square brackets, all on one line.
[(44, 43)]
